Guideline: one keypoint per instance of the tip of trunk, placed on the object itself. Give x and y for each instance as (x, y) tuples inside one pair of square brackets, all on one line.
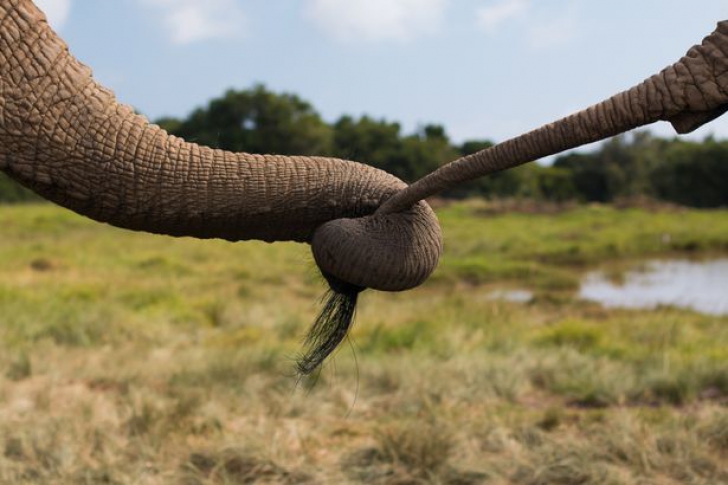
[(689, 121)]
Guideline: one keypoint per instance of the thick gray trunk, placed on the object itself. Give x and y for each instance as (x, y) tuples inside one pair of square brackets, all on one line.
[(689, 94), (68, 139)]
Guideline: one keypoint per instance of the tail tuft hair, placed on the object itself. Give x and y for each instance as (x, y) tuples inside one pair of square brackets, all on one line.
[(331, 327)]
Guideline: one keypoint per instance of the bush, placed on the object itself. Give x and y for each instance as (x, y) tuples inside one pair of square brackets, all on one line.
[(12, 193)]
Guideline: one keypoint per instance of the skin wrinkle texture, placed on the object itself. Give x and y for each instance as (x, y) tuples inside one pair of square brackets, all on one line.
[(688, 94), (68, 139)]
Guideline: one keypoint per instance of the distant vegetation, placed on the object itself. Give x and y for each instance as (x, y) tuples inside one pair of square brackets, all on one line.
[(257, 120), (11, 192)]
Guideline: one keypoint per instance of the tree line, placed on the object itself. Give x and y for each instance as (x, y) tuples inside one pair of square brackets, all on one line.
[(258, 120)]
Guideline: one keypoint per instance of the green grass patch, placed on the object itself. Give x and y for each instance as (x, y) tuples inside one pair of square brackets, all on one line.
[(128, 358)]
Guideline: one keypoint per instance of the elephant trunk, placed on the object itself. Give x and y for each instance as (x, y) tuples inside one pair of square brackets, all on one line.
[(68, 139), (688, 94)]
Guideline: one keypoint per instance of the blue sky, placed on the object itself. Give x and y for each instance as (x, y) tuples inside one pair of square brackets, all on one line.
[(483, 68)]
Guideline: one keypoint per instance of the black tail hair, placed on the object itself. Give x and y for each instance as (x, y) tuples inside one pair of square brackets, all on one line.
[(331, 326)]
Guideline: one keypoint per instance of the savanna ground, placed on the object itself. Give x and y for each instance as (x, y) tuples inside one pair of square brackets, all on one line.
[(129, 358)]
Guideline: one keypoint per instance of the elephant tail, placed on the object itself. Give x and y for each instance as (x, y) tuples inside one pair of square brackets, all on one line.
[(331, 327)]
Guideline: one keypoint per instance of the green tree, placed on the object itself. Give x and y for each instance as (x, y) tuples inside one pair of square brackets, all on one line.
[(379, 143), (694, 174), (589, 176), (374, 142), (171, 125), (554, 183), (424, 152), (257, 121)]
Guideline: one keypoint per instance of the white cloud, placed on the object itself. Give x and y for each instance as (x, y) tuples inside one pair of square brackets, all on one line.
[(542, 28), (376, 20), (556, 32), (491, 17), (56, 10), (189, 21)]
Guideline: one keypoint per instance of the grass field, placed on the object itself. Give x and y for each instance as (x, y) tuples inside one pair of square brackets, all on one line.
[(129, 358)]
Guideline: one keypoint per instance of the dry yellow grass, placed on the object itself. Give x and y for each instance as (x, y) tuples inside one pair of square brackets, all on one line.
[(127, 358)]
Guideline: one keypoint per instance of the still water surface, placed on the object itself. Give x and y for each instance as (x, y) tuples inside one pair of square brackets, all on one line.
[(698, 285)]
